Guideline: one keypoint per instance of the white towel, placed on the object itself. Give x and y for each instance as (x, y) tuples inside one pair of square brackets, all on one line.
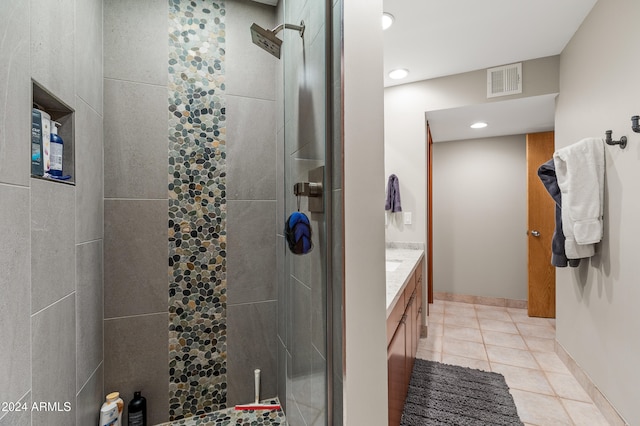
[(580, 173)]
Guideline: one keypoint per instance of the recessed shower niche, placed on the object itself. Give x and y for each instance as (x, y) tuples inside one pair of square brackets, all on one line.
[(49, 111)]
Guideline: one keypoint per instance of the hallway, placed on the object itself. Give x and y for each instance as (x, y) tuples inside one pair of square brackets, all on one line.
[(507, 341)]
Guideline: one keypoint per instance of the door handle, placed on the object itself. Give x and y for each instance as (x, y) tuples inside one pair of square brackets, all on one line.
[(535, 233)]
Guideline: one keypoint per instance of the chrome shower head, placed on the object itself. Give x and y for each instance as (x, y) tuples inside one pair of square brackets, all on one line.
[(267, 39)]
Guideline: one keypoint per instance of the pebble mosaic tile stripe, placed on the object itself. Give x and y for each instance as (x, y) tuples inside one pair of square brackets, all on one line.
[(230, 416), (197, 209)]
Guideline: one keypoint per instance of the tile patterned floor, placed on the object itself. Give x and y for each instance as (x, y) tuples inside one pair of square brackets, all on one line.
[(507, 341), (230, 416)]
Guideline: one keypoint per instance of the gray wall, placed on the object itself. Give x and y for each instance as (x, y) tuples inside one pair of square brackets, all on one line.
[(404, 127), (479, 217), (597, 314), (135, 205), (136, 197), (51, 251), (365, 394), (251, 212)]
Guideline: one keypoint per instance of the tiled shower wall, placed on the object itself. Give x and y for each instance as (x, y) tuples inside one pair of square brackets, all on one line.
[(136, 310), (52, 234), (252, 164), (197, 208), (191, 337)]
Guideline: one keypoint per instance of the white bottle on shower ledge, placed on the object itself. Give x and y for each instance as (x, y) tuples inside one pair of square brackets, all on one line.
[(111, 410)]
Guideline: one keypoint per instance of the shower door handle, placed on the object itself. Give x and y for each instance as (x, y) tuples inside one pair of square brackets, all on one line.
[(313, 189)]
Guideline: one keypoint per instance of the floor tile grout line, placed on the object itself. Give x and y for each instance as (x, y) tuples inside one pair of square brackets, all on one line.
[(529, 349), (555, 394)]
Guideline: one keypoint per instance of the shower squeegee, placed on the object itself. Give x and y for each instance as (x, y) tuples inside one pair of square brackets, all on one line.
[(257, 405)]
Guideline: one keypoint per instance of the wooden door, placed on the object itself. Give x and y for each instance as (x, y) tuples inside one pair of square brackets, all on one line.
[(429, 254), (541, 223)]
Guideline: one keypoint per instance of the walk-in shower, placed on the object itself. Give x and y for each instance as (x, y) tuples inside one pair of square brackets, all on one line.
[(267, 39)]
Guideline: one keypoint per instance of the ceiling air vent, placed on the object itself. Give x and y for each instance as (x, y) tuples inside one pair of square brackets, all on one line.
[(504, 80)]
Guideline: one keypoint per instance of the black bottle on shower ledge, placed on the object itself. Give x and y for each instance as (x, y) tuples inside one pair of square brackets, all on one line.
[(137, 410)]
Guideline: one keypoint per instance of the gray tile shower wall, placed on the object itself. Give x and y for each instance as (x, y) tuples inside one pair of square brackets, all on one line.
[(135, 262), (136, 312), (89, 169), (209, 161), (89, 60), (251, 274), (252, 158), (136, 140), (53, 345), (15, 282), (16, 91), (53, 58), (89, 212), (51, 246), (135, 45), (52, 226), (250, 340), (136, 359), (250, 73), (89, 397), (89, 311), (18, 418)]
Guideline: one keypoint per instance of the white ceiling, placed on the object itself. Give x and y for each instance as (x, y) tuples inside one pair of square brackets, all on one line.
[(436, 38), (513, 117)]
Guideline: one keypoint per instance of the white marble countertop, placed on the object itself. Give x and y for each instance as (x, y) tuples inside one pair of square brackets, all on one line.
[(404, 261)]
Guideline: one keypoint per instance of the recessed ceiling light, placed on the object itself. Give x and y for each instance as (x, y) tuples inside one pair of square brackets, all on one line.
[(479, 125), (398, 74), (387, 20)]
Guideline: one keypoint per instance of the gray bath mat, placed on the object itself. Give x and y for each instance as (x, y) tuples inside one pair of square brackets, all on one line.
[(441, 394)]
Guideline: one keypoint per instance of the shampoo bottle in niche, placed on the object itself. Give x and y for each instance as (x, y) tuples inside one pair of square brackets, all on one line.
[(57, 146), (40, 141), (111, 410), (137, 410), (37, 167)]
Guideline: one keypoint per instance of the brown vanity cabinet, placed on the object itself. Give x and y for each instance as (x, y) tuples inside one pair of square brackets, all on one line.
[(403, 334)]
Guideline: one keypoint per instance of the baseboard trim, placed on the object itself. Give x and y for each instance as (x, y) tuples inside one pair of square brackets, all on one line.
[(481, 300), (606, 408)]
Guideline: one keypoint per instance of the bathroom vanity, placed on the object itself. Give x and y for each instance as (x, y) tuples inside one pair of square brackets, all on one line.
[(404, 271)]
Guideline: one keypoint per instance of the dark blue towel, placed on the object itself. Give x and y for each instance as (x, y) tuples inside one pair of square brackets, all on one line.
[(547, 174), (297, 231), (393, 195)]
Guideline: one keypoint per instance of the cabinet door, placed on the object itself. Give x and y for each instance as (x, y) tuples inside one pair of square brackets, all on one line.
[(395, 317), (412, 342), (419, 310), (396, 375)]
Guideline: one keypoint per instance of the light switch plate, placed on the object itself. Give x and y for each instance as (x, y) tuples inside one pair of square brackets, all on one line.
[(407, 218)]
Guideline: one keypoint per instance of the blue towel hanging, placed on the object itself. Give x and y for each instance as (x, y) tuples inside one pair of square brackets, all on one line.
[(297, 231)]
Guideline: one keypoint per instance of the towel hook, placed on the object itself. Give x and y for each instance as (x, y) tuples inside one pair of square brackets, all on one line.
[(622, 142), (634, 123)]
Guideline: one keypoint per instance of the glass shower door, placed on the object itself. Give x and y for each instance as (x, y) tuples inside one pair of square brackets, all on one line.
[(304, 354)]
